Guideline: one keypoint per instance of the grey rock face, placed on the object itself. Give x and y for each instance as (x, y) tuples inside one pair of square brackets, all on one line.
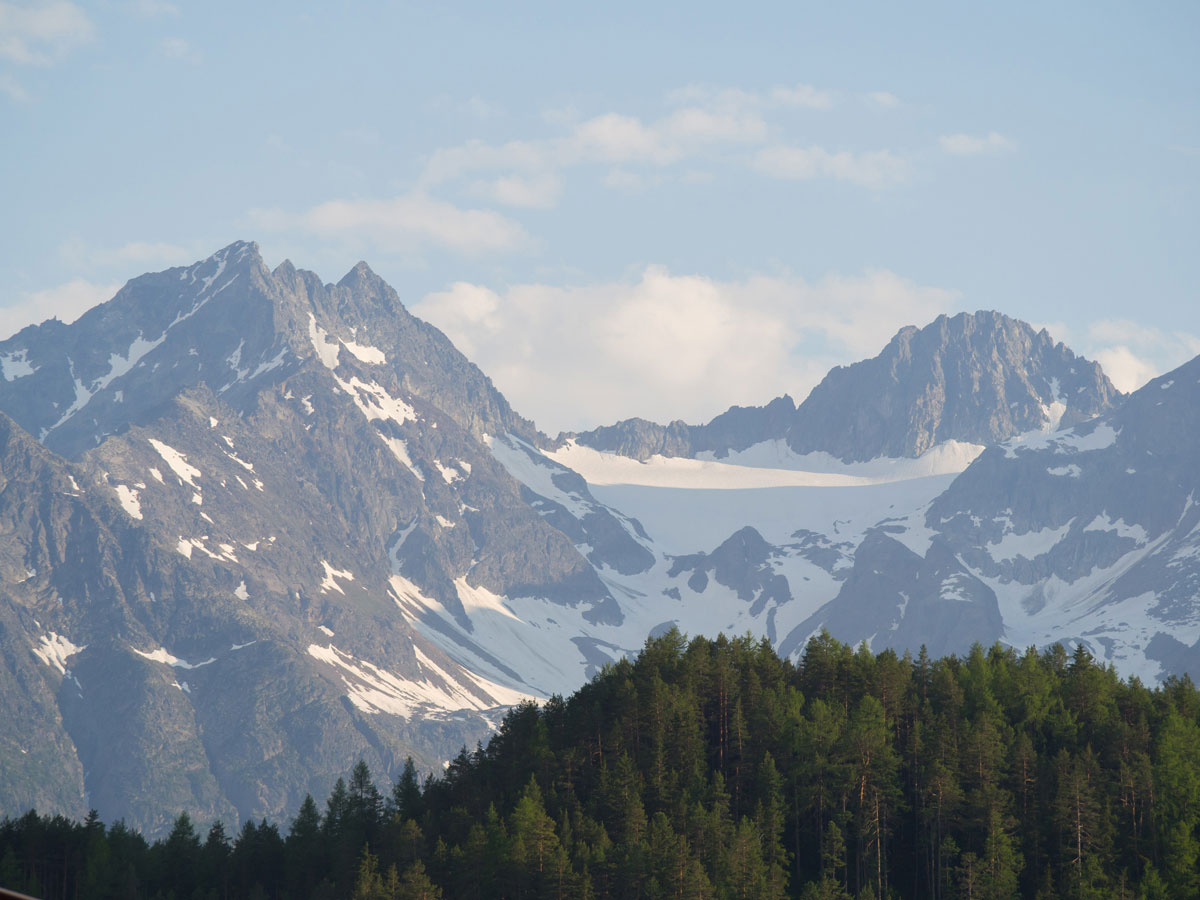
[(743, 563), (737, 428), (273, 484), (979, 378)]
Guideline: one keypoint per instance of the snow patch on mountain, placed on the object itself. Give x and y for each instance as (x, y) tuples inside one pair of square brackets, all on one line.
[(326, 350), (375, 402), (477, 599), (55, 650), (400, 450), (15, 365), (450, 473), (128, 498), (1100, 436), (1071, 471), (1029, 544), (177, 463), (373, 689), (366, 353), (1102, 522), (163, 655), (328, 584)]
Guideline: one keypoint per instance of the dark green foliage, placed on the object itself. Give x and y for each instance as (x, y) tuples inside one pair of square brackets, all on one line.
[(714, 769)]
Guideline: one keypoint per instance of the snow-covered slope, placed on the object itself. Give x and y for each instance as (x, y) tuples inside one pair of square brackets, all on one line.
[(728, 545), (1086, 535)]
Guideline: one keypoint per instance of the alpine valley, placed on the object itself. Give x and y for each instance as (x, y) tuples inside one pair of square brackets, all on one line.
[(255, 527)]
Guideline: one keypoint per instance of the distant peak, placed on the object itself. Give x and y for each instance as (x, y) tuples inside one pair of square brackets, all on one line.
[(360, 274), (239, 250), (240, 255)]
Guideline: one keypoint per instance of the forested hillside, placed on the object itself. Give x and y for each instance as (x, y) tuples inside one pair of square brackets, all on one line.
[(716, 769)]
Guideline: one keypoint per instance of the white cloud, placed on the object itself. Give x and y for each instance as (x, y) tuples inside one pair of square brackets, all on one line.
[(403, 224), (1132, 354), (13, 89), (702, 123), (884, 99), (606, 139), (1124, 368), (536, 191), (79, 254), (631, 182), (616, 138), (664, 346), (873, 169), (41, 34), (67, 301), (180, 49), (801, 95), (481, 109), (477, 156), (969, 145)]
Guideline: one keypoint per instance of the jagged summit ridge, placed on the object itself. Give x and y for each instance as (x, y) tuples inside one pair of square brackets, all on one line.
[(226, 323), (976, 378)]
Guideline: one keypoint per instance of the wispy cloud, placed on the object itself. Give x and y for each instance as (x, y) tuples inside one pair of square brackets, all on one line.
[(152, 9), (66, 301), (971, 145), (883, 99), (610, 138), (873, 169), (179, 49), (533, 192), (804, 96), (404, 224), (13, 89), (796, 96), (41, 34), (1132, 354), (703, 124), (78, 254), (704, 344)]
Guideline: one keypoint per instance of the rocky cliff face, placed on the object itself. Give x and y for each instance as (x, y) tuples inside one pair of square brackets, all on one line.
[(737, 428), (265, 468), (979, 379)]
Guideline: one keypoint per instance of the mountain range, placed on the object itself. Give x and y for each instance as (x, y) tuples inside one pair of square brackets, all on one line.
[(257, 527)]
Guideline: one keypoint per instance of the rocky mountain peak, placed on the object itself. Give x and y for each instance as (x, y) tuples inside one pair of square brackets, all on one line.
[(977, 377), (361, 278), (228, 323)]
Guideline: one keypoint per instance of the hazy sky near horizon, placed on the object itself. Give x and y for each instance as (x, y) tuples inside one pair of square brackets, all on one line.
[(618, 210)]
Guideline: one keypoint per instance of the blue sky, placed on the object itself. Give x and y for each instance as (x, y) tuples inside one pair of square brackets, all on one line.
[(625, 211)]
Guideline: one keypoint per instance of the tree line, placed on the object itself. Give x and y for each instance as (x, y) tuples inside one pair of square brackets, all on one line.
[(716, 769)]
